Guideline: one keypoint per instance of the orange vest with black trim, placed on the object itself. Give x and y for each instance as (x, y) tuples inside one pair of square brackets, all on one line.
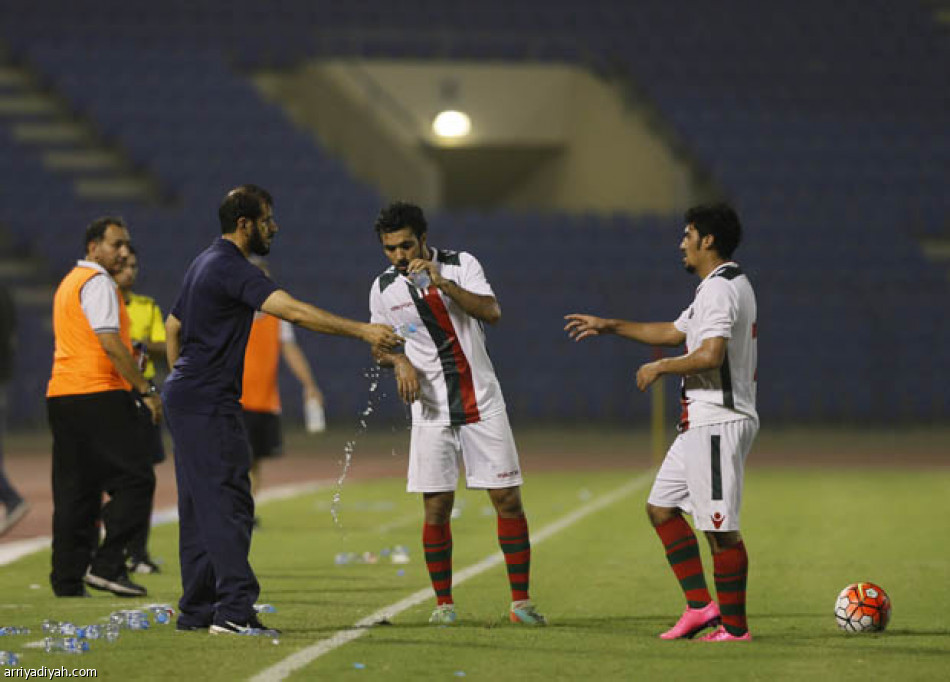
[(261, 359), (80, 365)]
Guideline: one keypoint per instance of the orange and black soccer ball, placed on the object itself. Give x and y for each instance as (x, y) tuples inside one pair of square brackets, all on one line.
[(863, 607)]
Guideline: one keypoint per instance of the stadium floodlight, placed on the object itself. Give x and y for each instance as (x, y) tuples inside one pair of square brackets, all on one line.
[(452, 124)]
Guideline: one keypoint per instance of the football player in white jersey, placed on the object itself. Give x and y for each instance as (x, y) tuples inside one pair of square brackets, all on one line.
[(702, 473), (439, 301)]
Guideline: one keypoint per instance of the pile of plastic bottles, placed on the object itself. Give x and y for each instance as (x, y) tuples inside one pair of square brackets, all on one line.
[(397, 555), (8, 658), (69, 638)]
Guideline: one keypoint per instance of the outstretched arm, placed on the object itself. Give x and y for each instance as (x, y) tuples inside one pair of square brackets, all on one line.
[(710, 355), (286, 307), (581, 326)]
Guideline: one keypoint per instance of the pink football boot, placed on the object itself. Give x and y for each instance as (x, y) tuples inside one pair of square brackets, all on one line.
[(720, 634), (694, 620)]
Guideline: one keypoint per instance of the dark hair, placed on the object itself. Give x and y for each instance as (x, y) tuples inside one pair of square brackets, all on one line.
[(399, 215), (719, 220), (244, 201), (96, 231)]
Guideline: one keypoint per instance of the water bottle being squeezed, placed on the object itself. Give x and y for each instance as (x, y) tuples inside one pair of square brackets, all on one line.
[(421, 279)]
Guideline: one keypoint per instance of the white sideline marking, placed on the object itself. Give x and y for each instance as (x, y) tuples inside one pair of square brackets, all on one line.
[(309, 654), (17, 549), (12, 551)]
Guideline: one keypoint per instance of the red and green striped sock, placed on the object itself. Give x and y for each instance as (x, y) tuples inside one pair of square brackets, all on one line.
[(516, 546), (682, 551), (437, 544), (731, 571)]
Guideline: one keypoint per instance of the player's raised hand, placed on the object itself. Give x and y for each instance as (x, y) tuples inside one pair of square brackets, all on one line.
[(581, 326), (421, 264), (381, 337)]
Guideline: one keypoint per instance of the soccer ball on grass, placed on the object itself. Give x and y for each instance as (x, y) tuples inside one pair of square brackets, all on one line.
[(862, 607)]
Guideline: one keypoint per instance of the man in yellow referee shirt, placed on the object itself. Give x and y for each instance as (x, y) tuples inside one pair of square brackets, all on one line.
[(147, 330)]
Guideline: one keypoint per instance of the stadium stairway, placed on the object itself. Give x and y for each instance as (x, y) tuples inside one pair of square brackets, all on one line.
[(66, 143)]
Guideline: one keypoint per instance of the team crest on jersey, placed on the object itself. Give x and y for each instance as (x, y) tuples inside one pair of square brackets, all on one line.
[(717, 520)]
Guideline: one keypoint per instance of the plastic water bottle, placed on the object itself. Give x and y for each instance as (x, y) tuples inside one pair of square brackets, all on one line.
[(162, 614), (131, 619), (399, 555), (89, 632), (421, 279), (55, 627), (314, 417), (137, 620), (264, 608), (111, 632), (9, 658), (69, 645), (344, 558), (405, 329), (14, 630)]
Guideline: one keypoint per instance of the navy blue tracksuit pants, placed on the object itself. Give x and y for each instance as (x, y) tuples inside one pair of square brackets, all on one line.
[(215, 517)]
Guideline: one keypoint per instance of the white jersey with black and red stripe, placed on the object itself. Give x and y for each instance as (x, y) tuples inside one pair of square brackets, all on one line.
[(445, 344), (724, 307)]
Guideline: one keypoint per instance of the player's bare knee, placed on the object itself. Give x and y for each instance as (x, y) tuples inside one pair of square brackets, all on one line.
[(507, 501), (720, 542), (660, 515), (438, 507)]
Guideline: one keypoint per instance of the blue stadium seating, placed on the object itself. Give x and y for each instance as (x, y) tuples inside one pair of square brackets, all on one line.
[(824, 122)]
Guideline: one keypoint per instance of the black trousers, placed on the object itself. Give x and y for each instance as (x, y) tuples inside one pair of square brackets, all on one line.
[(215, 517), (149, 441), (95, 451)]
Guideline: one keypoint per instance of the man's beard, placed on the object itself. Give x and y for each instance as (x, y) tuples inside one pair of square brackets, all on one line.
[(257, 244), (691, 269)]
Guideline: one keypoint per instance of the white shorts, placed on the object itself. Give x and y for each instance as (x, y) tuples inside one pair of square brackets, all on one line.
[(487, 449), (703, 471)]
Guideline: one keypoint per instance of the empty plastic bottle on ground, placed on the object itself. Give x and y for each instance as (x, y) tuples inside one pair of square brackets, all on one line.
[(89, 632), (130, 619), (162, 614), (55, 627), (111, 632), (69, 645), (14, 630)]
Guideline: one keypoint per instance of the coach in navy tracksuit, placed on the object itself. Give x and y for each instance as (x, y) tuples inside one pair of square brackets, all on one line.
[(208, 330)]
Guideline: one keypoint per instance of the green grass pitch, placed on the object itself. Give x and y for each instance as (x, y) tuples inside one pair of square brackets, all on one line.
[(602, 582)]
